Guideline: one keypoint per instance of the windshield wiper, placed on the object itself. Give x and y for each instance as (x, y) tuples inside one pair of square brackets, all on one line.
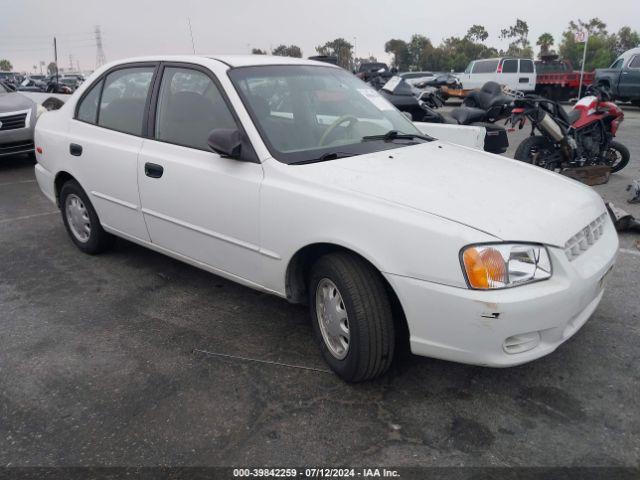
[(327, 156), (395, 135)]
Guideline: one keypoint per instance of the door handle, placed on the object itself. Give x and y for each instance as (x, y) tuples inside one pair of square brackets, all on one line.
[(153, 170), (75, 149)]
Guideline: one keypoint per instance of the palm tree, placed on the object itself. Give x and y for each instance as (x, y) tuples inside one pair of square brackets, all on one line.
[(545, 41)]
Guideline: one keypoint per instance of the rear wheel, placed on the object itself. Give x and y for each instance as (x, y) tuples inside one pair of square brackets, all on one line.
[(352, 317), (81, 220), (616, 156), (539, 151)]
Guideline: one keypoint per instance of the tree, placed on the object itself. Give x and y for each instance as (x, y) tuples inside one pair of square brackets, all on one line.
[(258, 51), (545, 42), (339, 48), (600, 47), (477, 33), (5, 65), (400, 51), (626, 39), (419, 49), (519, 45), (52, 68), (287, 51)]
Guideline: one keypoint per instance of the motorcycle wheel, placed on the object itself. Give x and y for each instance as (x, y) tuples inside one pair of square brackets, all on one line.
[(536, 150), (616, 156)]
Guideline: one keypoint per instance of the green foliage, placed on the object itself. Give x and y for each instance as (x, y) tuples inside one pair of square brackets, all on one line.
[(602, 47), (545, 42), (518, 34), (5, 65), (287, 51), (626, 40), (258, 51), (339, 48), (400, 51), (477, 33)]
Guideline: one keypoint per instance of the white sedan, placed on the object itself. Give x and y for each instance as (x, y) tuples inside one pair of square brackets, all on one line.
[(295, 178)]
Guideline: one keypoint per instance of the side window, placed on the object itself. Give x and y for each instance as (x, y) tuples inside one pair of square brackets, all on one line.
[(510, 66), (635, 62), (88, 110), (617, 65), (123, 99), (468, 69), (189, 107), (526, 66), (485, 66)]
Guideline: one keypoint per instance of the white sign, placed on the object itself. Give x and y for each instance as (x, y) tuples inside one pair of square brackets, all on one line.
[(580, 37)]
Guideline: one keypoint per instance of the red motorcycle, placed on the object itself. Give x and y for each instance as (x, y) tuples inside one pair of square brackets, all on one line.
[(582, 137)]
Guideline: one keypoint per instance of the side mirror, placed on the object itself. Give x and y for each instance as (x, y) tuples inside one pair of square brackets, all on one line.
[(226, 141)]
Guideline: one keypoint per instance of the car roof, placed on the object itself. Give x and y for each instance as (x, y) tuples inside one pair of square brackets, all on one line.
[(230, 60)]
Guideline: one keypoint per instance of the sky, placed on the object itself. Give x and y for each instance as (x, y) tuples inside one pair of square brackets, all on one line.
[(144, 27)]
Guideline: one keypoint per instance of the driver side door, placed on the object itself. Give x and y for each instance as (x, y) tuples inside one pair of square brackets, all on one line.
[(196, 203)]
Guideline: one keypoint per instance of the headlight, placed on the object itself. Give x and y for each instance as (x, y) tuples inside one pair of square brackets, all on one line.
[(504, 265), (40, 110)]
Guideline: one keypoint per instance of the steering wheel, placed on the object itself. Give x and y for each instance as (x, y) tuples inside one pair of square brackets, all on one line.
[(339, 121)]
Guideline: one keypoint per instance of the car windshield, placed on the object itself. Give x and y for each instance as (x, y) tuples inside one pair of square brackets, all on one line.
[(313, 113)]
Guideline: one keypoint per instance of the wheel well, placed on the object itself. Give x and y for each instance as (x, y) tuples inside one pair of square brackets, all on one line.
[(297, 281), (61, 179)]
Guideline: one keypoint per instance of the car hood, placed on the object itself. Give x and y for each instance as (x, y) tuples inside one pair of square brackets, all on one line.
[(10, 102), (505, 198)]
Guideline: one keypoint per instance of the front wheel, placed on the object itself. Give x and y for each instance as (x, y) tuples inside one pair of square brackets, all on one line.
[(539, 151), (616, 156), (352, 317)]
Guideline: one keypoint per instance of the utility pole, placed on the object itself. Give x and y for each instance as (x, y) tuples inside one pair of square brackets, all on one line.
[(100, 57), (55, 59), (193, 45)]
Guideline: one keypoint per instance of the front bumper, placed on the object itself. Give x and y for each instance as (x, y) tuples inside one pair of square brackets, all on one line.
[(479, 327), (20, 140)]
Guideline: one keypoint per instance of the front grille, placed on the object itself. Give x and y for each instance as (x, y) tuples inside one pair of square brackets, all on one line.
[(13, 121), (585, 238), (16, 147)]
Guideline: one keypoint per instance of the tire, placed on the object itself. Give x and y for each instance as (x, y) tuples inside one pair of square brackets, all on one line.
[(624, 156), (368, 312), (74, 199), (525, 150)]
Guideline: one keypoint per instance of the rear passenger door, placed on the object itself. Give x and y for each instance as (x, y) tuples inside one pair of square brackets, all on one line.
[(105, 138), (196, 203), (527, 76), (509, 73)]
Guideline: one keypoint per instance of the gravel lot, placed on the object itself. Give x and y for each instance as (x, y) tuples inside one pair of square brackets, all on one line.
[(103, 363)]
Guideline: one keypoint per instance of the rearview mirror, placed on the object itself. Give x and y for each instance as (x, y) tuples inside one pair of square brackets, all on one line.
[(226, 141)]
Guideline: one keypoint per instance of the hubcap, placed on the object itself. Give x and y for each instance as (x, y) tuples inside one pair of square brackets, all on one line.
[(78, 218), (332, 318)]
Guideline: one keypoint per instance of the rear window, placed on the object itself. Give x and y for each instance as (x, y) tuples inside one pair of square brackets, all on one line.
[(526, 66), (510, 66), (88, 110), (485, 66), (123, 99)]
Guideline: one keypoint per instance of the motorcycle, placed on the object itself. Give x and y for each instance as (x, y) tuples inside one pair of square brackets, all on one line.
[(421, 105), (582, 137)]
